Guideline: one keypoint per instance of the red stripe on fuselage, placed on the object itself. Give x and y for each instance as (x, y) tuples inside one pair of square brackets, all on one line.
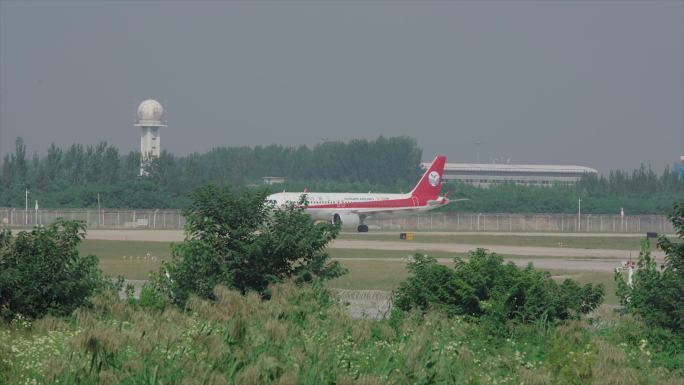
[(375, 204)]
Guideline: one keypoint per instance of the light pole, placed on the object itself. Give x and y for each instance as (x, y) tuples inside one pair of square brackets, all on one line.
[(26, 208), (477, 151), (579, 214)]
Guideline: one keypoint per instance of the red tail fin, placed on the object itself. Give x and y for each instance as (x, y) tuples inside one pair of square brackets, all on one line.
[(430, 184)]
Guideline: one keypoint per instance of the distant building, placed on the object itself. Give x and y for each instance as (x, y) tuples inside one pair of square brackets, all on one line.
[(150, 120), (485, 175), (273, 179)]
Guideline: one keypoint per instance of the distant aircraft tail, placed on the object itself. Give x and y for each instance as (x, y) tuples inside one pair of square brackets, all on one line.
[(430, 184)]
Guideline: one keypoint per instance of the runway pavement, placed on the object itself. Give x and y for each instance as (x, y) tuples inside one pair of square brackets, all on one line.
[(136, 235), (561, 257), (517, 234), (177, 235), (501, 249)]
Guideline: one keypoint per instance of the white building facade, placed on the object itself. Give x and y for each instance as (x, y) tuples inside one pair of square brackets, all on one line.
[(486, 175)]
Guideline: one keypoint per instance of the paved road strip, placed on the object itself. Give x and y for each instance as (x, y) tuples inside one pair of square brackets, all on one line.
[(177, 236), (501, 249)]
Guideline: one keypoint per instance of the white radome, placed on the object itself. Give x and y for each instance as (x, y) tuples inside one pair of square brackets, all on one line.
[(150, 113)]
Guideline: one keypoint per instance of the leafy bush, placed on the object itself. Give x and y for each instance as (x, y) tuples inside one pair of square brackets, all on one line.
[(41, 271), (237, 240), (485, 287), (658, 296), (150, 299)]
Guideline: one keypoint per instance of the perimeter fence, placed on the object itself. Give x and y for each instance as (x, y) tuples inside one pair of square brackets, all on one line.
[(531, 223), (464, 222), (96, 219)]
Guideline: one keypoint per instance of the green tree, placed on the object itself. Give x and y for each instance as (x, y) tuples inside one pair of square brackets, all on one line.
[(42, 272), (237, 240), (53, 166), (131, 165), (658, 295), (111, 163), (21, 163)]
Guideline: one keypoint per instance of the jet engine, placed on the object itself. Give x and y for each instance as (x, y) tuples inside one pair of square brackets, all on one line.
[(347, 220)]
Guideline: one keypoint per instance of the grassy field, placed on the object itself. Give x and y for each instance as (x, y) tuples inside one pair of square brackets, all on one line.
[(127, 258), (363, 274), (591, 277), (607, 242), (371, 275)]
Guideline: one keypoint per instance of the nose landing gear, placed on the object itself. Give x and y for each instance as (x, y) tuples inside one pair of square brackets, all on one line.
[(362, 228)]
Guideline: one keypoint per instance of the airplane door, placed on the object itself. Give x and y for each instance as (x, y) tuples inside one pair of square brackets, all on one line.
[(415, 201)]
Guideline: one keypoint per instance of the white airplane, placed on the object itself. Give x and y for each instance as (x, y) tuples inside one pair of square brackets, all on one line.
[(352, 209)]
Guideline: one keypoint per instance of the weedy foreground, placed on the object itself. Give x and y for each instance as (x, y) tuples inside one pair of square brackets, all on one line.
[(303, 335)]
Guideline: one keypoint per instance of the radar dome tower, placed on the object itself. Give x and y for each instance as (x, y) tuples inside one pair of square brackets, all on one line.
[(150, 119)]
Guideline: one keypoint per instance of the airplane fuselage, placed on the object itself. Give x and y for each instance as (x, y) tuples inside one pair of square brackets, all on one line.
[(352, 209), (323, 206)]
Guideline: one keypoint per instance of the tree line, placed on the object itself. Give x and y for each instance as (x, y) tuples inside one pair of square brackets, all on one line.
[(641, 191), (75, 176)]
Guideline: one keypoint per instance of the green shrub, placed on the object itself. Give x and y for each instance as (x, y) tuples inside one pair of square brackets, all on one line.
[(236, 240), (485, 287), (658, 296), (41, 271), (151, 299)]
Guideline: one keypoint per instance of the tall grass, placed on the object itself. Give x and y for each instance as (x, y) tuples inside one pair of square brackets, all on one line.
[(303, 336)]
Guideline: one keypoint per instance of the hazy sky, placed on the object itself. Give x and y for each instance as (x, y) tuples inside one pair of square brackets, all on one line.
[(599, 84)]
